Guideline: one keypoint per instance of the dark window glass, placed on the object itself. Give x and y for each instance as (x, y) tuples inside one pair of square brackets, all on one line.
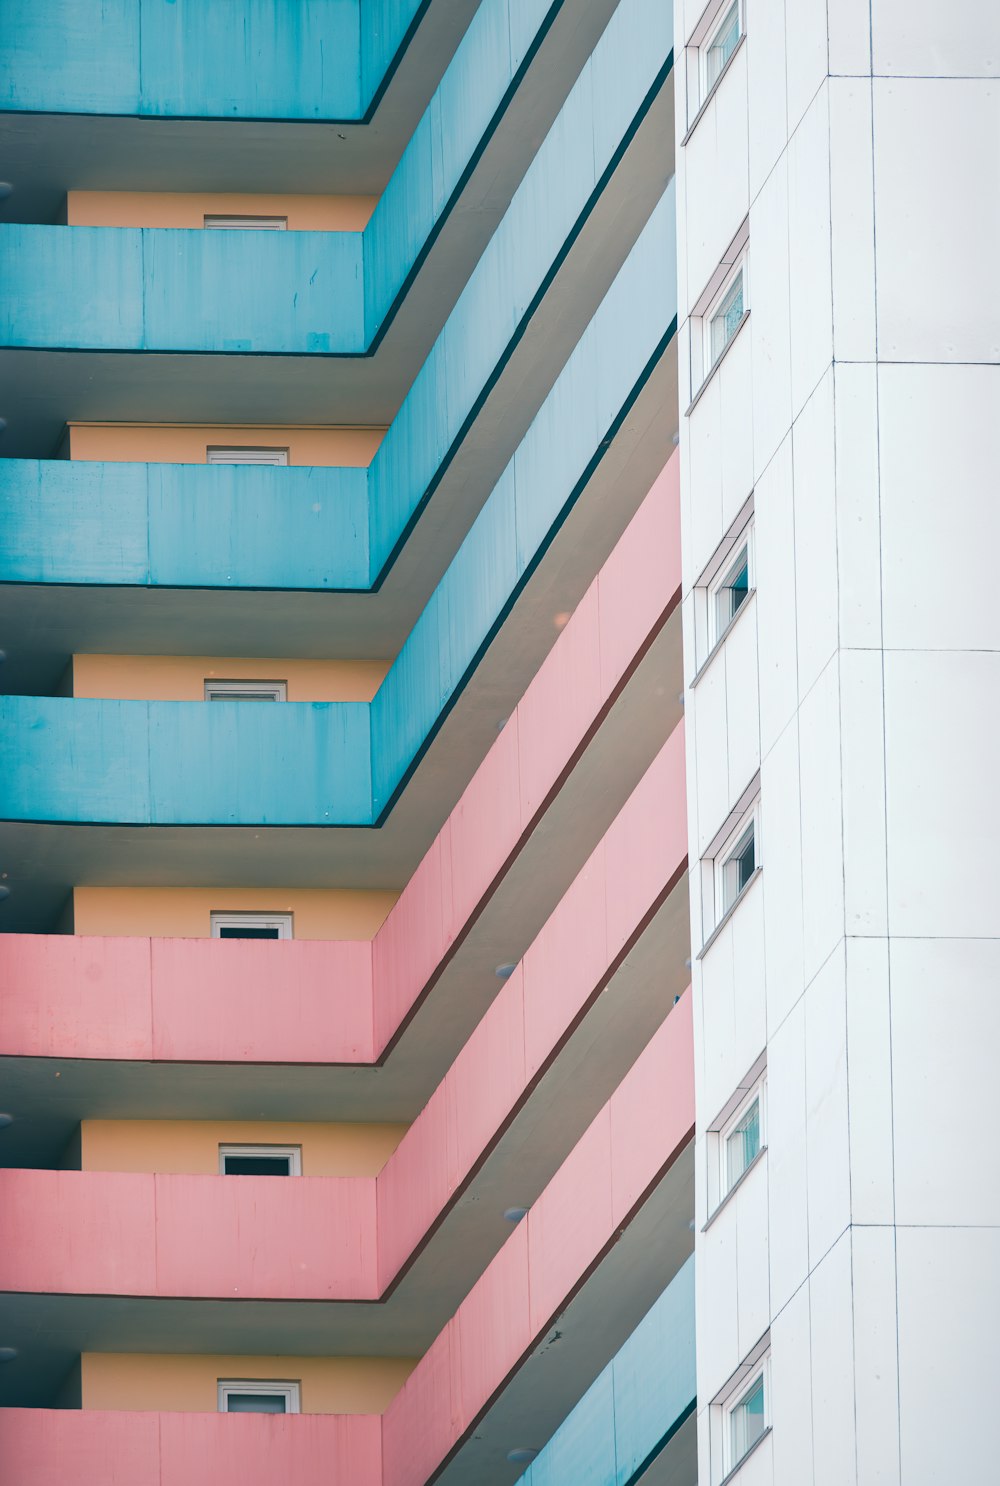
[(745, 865), (739, 588), (256, 1403), (256, 1165), (237, 931)]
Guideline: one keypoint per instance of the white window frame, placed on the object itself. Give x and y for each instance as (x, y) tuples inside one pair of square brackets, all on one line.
[(227, 222), (759, 1373), (274, 455), (293, 1152), (706, 87), (719, 624), (755, 1096), (238, 690), (292, 1392), (726, 857), (224, 920), (739, 270)]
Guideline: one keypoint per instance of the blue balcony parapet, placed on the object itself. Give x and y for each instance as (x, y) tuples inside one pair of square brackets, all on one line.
[(326, 60), (86, 760), (331, 529), (636, 1405)]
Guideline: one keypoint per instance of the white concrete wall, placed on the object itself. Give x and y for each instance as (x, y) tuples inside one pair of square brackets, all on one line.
[(860, 406)]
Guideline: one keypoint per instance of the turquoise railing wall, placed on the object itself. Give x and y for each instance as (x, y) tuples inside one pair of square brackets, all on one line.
[(635, 1406), (188, 763), (184, 58), (328, 293), (175, 522)]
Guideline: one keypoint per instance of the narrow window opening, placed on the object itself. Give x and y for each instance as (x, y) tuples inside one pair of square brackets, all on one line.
[(743, 1144), (246, 691), (246, 224), (251, 925), (721, 46), (260, 1160), (248, 454), (747, 1421), (726, 320), (258, 1397), (739, 867)]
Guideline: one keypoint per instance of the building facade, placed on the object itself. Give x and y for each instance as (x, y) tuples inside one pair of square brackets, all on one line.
[(483, 873)]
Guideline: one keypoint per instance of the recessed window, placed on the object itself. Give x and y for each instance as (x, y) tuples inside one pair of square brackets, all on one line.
[(251, 925), (747, 1420), (726, 316), (253, 1396), (217, 454), (719, 47), (738, 867), (260, 1160), (732, 589), (742, 1143), (246, 691), (248, 224)]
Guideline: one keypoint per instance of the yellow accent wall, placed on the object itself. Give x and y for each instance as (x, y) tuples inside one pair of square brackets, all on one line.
[(185, 1384), (192, 1146), (181, 678), (184, 913), (189, 209), (188, 443)]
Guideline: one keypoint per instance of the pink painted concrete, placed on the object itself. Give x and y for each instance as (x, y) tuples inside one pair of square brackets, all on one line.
[(170, 999), (57, 1447), (217, 1001), (349, 1238), (127, 1233), (532, 1278)]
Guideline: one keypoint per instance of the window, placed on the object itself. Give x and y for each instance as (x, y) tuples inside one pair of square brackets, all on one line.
[(258, 1397), (216, 454), (246, 691), (738, 867), (741, 1144), (731, 591), (260, 1160), (747, 1420), (726, 316), (245, 224), (719, 47), (251, 925)]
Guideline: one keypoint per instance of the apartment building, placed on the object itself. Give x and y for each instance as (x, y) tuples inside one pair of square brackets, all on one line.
[(494, 780)]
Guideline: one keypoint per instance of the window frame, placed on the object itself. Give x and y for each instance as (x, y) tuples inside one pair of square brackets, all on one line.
[(739, 270), (236, 690), (729, 1129), (758, 1374), (241, 1148), (291, 1388), (280, 450), (707, 85), (728, 855), (225, 918), (718, 627), (238, 222)]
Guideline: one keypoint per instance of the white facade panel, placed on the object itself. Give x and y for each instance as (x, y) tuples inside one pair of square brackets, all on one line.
[(859, 516), (809, 250), (771, 404), (852, 203), (717, 176), (813, 479), (876, 1356), (911, 38), (862, 755), (869, 1082)]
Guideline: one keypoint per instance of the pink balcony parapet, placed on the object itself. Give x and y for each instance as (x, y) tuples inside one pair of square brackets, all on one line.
[(345, 1002), (617, 1162), (348, 1238)]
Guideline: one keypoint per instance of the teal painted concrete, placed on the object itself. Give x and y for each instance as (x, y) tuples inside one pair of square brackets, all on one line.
[(313, 293), (636, 1404), (171, 762), (185, 58), (56, 514)]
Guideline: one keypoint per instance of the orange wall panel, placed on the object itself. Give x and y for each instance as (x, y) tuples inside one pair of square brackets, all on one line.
[(185, 913), (181, 678), (189, 209), (182, 1384), (179, 1147), (188, 443)]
